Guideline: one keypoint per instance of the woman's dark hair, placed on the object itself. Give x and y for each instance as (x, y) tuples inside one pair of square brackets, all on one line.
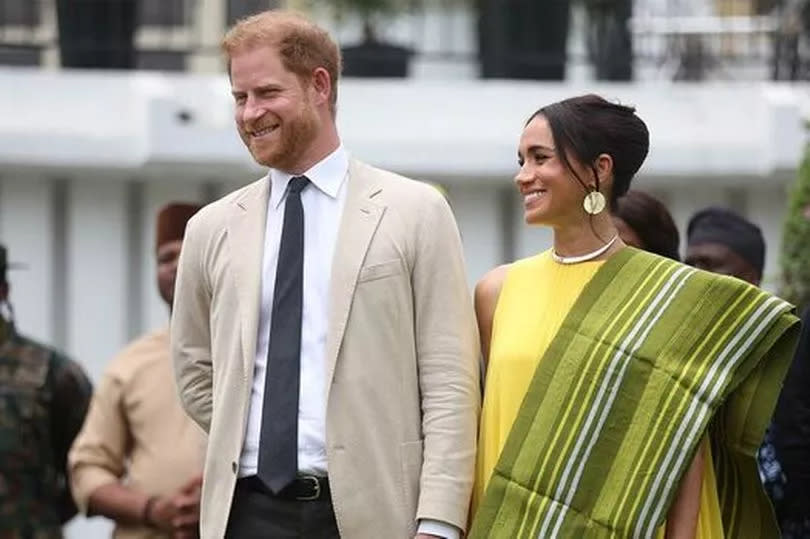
[(587, 126), (651, 221)]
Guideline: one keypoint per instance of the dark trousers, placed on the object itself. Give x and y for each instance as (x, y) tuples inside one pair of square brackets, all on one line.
[(258, 515)]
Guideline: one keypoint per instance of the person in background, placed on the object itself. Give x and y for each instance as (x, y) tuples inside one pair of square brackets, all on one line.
[(645, 223), (138, 459), (791, 441), (323, 332), (43, 400), (722, 241)]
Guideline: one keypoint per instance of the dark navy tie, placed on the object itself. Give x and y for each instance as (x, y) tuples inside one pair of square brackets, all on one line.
[(278, 442)]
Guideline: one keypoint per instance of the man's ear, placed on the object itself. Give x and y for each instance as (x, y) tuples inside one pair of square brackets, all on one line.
[(322, 84)]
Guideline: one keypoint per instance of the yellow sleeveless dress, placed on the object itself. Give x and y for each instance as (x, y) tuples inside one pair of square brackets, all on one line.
[(535, 298)]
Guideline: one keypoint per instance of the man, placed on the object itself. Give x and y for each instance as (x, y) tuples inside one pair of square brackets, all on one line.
[(791, 438), (721, 241), (138, 458), (323, 332), (43, 400)]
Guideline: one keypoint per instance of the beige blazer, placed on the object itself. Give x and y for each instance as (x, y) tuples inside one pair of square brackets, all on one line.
[(401, 353)]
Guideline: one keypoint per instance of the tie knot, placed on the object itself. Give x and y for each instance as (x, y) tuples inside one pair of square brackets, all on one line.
[(297, 184)]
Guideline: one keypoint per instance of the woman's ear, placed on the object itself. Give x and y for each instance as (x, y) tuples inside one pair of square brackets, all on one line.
[(604, 169)]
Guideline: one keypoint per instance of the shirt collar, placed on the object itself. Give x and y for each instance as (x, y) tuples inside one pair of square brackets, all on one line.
[(327, 175)]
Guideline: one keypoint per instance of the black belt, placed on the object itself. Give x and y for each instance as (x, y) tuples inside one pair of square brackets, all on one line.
[(304, 488)]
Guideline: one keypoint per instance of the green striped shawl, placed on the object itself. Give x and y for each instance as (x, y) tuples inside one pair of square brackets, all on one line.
[(651, 355)]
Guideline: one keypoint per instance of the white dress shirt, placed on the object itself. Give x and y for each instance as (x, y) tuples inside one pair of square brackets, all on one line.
[(323, 202)]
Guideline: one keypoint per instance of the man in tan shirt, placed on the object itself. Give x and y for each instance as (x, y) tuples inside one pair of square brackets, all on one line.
[(138, 457)]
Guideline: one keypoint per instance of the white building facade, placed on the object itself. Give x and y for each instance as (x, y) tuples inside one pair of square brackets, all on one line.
[(87, 158)]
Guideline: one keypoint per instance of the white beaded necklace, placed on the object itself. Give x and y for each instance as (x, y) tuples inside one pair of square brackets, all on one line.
[(587, 256)]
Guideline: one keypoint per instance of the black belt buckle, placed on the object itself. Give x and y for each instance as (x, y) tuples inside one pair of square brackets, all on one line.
[(316, 488)]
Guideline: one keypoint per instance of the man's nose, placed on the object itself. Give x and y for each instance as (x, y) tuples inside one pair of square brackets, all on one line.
[(252, 111)]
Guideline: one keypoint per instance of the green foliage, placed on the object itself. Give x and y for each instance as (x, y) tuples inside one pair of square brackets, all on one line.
[(796, 239)]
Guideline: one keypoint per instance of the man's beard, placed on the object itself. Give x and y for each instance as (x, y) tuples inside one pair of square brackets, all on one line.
[(294, 138), (167, 296)]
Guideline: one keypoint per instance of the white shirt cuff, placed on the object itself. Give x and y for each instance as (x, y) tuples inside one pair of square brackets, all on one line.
[(441, 529)]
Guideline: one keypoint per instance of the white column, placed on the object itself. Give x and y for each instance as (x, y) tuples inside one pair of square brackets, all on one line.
[(50, 53), (477, 213), (767, 208), (97, 271), (26, 229), (209, 21)]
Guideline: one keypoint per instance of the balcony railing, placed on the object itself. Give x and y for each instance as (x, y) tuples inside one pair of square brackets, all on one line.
[(552, 39)]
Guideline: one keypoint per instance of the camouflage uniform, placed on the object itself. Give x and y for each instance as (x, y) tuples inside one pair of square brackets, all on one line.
[(43, 401)]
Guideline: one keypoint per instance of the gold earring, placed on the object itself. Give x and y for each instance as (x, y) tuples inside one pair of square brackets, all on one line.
[(594, 203)]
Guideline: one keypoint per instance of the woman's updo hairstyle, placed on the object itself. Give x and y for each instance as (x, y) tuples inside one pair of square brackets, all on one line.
[(586, 126)]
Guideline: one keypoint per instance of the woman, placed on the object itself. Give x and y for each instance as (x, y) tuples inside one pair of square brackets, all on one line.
[(644, 222), (608, 366)]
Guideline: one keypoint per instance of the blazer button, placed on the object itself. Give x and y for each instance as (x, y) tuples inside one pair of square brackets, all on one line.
[(234, 467)]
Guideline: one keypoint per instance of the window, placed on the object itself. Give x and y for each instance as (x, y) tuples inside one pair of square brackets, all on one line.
[(164, 34), (19, 56), (161, 60), (168, 35), (238, 9), (165, 13), (19, 13), (21, 33)]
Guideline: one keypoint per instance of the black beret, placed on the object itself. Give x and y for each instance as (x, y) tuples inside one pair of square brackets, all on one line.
[(723, 226)]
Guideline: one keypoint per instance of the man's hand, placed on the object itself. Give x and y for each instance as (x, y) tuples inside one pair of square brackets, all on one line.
[(179, 514), (186, 522), (427, 536)]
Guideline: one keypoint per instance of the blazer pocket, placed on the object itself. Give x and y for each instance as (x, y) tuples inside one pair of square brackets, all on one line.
[(381, 270)]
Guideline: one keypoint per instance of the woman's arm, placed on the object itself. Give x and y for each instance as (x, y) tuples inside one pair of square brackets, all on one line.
[(683, 515), (486, 298)]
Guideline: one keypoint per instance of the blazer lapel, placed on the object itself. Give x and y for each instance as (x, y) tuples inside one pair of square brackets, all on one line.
[(361, 216), (246, 227)]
